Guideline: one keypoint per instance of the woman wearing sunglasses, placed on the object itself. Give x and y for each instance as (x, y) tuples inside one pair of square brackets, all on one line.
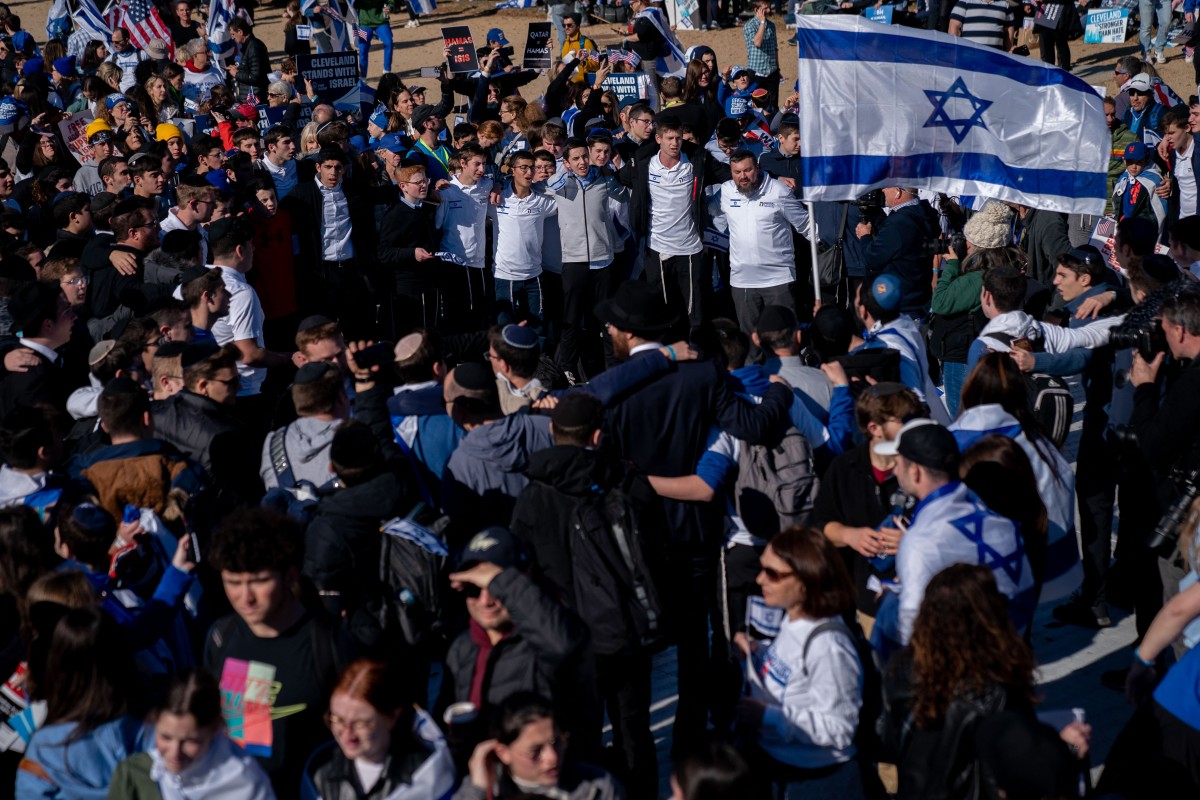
[(806, 687)]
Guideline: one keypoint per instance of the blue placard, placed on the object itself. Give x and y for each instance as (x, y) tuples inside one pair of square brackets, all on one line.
[(882, 14)]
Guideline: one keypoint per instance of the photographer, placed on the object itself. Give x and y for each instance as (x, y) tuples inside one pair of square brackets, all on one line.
[(899, 245), (1167, 424)]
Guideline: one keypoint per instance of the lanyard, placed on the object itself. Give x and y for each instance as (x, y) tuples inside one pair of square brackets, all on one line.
[(445, 162)]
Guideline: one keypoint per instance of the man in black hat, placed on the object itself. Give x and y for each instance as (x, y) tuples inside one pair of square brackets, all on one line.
[(41, 313), (683, 404), (526, 640), (950, 525)]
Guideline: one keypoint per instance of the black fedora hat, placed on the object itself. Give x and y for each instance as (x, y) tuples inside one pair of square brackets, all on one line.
[(637, 308)]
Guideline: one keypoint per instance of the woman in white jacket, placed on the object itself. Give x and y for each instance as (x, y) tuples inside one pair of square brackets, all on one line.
[(806, 686)]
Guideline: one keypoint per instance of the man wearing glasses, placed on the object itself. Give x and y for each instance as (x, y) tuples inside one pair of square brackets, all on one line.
[(638, 121), (408, 239), (127, 57)]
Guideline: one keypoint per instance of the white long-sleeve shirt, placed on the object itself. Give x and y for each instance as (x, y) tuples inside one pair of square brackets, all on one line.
[(761, 254), (518, 226), (811, 719), (462, 219)]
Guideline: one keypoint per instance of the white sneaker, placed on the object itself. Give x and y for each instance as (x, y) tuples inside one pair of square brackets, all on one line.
[(1189, 55), (1160, 57), (413, 23)]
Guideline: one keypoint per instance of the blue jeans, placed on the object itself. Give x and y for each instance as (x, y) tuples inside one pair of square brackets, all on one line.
[(954, 374), (1147, 9), (384, 32), (521, 300)]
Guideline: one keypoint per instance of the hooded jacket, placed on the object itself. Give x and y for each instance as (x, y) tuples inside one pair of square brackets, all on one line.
[(306, 442), (140, 473), (486, 473), (225, 771), (1002, 330)]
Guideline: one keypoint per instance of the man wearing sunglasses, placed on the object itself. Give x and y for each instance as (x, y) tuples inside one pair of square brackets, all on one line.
[(1145, 114)]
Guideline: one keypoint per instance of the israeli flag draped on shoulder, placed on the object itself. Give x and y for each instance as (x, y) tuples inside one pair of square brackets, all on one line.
[(88, 17), (220, 13), (673, 60), (886, 105)]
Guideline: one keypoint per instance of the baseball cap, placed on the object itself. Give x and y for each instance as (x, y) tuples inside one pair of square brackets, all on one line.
[(114, 99), (156, 49), (1138, 83), (420, 114), (10, 109), (497, 35), (245, 111), (1135, 152), (494, 545), (392, 142), (923, 441), (885, 288), (104, 134), (737, 71)]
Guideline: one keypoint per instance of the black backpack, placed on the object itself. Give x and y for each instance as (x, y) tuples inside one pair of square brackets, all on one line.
[(615, 592), (1053, 406), (413, 560), (867, 738)]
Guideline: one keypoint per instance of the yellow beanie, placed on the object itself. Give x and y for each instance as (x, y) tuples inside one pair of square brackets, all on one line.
[(167, 131), (96, 125)]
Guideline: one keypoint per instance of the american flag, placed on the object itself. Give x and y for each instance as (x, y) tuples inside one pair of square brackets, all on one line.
[(627, 56), (142, 21)]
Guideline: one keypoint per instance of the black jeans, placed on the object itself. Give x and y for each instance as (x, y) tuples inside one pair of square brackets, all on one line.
[(582, 289), (684, 283), (692, 570), (624, 682), (466, 298)]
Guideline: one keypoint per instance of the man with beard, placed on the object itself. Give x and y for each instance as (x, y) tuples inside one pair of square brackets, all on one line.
[(762, 259)]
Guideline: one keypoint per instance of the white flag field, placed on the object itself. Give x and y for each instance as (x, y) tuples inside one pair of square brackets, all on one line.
[(890, 106)]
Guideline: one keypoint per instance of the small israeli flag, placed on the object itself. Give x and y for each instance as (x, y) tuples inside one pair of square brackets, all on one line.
[(517, 4), (894, 106), (420, 7), (57, 19), (88, 18)]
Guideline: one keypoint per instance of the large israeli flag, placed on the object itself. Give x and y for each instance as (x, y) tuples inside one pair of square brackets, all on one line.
[(88, 18), (220, 14), (886, 106)]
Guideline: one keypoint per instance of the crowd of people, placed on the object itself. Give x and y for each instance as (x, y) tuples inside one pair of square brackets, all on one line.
[(379, 454)]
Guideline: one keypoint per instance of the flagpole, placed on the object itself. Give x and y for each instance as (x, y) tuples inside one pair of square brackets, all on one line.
[(812, 241)]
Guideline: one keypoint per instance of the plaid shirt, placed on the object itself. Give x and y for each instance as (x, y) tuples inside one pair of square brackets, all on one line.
[(761, 60)]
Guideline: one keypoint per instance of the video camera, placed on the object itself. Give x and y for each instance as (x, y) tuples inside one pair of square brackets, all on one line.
[(1141, 329)]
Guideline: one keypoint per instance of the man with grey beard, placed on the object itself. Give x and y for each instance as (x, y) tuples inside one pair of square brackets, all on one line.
[(762, 260)]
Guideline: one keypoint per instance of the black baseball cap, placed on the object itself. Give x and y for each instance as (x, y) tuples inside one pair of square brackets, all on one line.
[(494, 545), (924, 442)]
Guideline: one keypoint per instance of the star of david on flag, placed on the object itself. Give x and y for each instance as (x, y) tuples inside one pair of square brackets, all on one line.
[(1011, 563), (894, 106)]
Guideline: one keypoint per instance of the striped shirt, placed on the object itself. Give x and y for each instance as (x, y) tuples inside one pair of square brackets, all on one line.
[(983, 21)]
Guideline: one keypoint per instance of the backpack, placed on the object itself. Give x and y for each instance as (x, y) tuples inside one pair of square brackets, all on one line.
[(775, 485), (413, 561), (867, 738), (615, 592), (1052, 404)]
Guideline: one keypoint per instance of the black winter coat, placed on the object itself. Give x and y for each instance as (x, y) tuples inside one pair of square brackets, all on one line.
[(341, 549), (209, 434), (899, 248)]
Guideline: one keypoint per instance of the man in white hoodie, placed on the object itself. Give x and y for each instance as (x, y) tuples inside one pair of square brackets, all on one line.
[(299, 451), (1010, 328)]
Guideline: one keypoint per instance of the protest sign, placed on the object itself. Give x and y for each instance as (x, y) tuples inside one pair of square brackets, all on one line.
[(624, 84), (1106, 26), (458, 40), (1103, 239), (1049, 16), (537, 46), (73, 130), (881, 14), (334, 78)]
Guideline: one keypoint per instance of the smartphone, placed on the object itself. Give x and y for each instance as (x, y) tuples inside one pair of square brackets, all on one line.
[(193, 547), (376, 355), (431, 72)]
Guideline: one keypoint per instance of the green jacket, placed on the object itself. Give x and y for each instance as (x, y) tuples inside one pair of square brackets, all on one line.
[(132, 780), (955, 292), (1122, 137), (373, 13)]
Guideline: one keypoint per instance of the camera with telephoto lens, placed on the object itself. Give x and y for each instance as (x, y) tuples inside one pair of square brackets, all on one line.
[(1165, 537), (870, 205), (1141, 328)]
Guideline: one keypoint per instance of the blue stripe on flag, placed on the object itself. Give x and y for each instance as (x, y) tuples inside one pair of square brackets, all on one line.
[(861, 170), (889, 48)]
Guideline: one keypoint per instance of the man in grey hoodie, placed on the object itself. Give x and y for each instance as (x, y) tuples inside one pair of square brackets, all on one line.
[(486, 471), (299, 451)]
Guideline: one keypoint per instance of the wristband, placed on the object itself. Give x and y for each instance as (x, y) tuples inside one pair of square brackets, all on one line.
[(1138, 658), (671, 350)]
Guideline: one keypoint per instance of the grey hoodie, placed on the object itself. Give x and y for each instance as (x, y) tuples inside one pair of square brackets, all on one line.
[(491, 460), (306, 442)]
